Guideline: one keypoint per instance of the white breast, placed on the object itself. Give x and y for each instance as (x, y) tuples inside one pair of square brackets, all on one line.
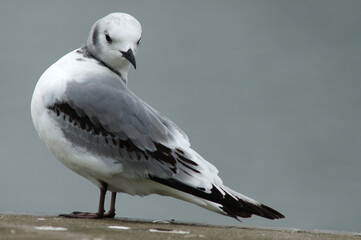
[(51, 88)]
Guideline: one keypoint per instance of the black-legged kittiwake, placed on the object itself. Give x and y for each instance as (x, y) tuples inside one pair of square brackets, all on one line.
[(96, 126)]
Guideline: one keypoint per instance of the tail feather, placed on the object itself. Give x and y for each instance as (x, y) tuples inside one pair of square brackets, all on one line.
[(233, 204)]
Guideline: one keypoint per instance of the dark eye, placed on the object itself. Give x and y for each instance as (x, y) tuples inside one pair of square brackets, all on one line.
[(140, 39), (108, 38)]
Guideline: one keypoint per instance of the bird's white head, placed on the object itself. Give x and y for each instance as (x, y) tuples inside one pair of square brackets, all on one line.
[(114, 39)]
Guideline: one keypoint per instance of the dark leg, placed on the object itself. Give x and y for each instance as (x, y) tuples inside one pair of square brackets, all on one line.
[(111, 212), (99, 214)]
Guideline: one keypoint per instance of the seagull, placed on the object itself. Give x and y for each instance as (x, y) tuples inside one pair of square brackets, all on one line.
[(97, 127)]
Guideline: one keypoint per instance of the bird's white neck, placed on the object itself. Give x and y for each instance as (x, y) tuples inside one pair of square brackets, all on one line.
[(121, 68)]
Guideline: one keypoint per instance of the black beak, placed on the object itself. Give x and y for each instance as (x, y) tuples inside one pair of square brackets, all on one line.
[(130, 57)]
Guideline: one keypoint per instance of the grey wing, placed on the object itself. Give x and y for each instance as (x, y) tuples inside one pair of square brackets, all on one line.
[(104, 117)]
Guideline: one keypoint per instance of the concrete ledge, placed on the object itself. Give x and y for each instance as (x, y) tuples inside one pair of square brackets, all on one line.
[(51, 227)]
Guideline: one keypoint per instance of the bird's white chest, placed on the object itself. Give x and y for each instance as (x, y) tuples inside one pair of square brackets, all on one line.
[(51, 88)]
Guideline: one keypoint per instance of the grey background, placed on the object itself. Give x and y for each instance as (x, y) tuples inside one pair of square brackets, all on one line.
[(268, 91)]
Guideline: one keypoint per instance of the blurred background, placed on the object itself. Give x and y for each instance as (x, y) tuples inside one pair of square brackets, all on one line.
[(269, 91)]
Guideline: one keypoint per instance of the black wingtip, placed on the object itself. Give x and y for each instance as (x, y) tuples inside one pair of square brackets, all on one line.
[(232, 207), (248, 209), (271, 213)]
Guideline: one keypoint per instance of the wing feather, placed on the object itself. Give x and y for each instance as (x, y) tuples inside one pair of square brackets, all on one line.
[(103, 116)]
